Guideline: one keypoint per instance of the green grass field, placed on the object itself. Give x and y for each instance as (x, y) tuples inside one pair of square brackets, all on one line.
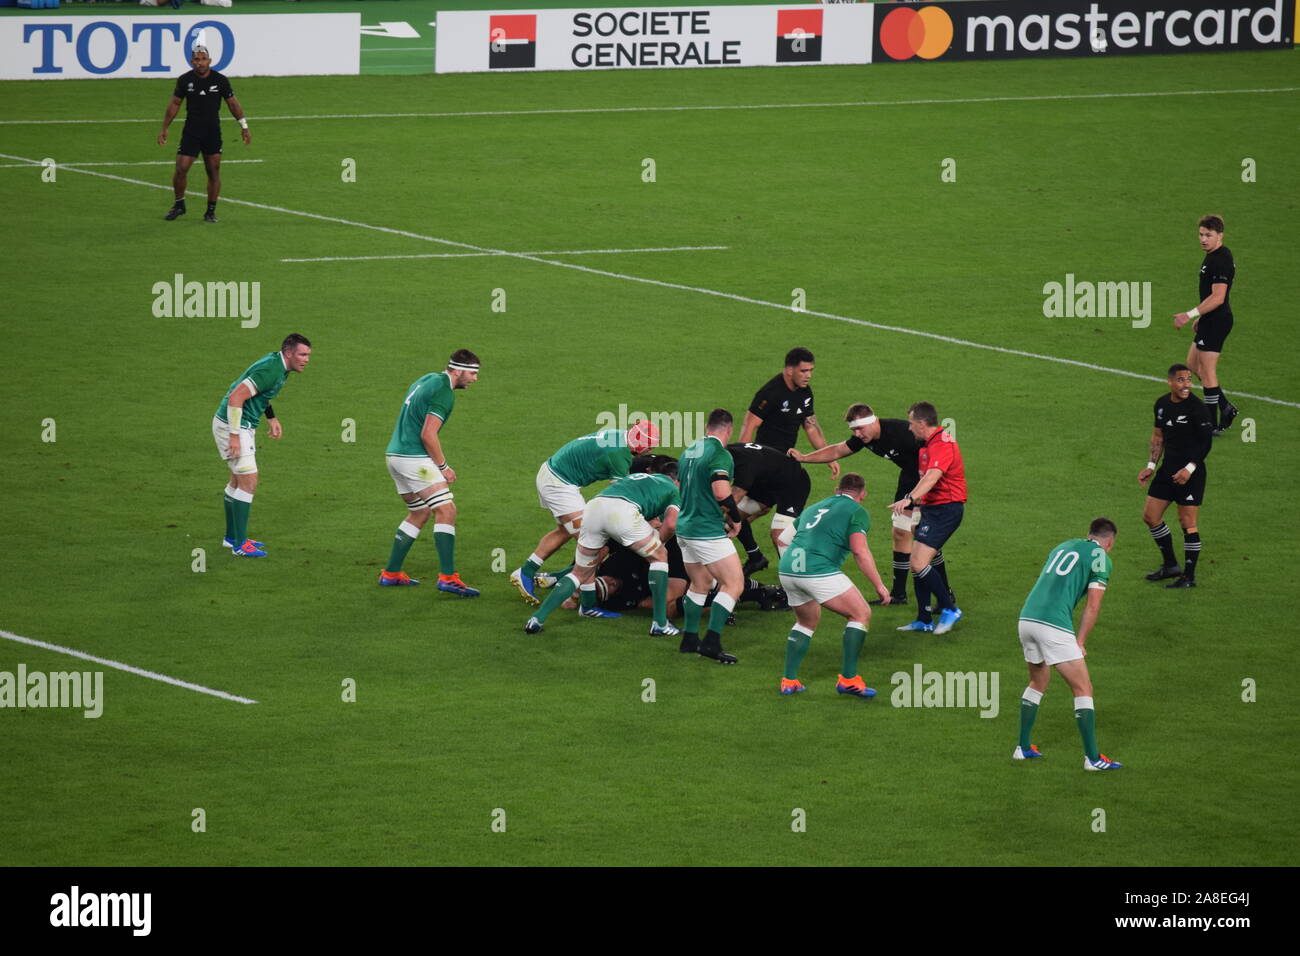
[(1059, 170)]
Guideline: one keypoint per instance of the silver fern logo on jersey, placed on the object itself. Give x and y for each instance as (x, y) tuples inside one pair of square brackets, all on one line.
[(181, 299)]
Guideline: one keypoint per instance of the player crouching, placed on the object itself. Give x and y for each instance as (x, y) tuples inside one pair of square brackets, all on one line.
[(810, 573)]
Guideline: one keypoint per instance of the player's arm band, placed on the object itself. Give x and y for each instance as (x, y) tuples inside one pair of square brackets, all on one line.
[(1193, 313), (729, 506), (270, 412), (1191, 467), (234, 416), (243, 123), (1152, 466)]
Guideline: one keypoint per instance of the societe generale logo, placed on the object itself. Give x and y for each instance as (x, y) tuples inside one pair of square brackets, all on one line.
[(907, 32)]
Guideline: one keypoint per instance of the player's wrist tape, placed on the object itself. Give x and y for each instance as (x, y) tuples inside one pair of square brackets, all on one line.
[(1151, 466), (270, 413), (1193, 313), (1191, 467), (233, 417), (443, 466), (733, 512), (860, 422), (243, 123)]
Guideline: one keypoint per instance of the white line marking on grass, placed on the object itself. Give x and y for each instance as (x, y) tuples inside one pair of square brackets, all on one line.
[(852, 104), (118, 665), (397, 49), (471, 255), (783, 306), (151, 162)]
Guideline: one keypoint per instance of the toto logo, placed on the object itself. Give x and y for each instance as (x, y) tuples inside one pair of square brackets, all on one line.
[(906, 33), (102, 46)]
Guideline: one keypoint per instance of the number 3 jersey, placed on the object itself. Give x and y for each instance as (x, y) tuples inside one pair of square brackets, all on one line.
[(1072, 568), (821, 540)]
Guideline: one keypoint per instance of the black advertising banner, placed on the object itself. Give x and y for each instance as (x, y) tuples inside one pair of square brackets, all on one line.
[(1006, 29)]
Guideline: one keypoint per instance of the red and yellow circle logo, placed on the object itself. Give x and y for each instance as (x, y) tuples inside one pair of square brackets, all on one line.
[(906, 33)]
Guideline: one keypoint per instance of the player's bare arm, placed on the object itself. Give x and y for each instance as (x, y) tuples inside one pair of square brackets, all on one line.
[(236, 400), (1156, 450), (867, 564), (928, 481), (172, 109), (733, 517), (747, 430), (818, 440), (823, 454), (237, 112), (668, 527), (1090, 612), (1218, 292), (432, 445)]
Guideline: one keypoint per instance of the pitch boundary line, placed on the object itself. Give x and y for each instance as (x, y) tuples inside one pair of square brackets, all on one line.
[(118, 665), (784, 307), (147, 162), (851, 104), (471, 255)]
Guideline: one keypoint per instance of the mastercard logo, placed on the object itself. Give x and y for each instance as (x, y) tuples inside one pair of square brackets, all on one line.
[(907, 32)]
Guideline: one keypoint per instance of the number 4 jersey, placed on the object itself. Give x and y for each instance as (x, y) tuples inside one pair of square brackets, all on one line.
[(1072, 568)]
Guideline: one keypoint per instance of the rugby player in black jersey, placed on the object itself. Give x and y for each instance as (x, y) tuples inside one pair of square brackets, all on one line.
[(202, 89), (784, 405), (767, 478), (1183, 434), (891, 439), (1212, 321)]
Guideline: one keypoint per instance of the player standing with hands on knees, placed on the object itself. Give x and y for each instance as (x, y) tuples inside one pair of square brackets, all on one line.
[(811, 575), (202, 89)]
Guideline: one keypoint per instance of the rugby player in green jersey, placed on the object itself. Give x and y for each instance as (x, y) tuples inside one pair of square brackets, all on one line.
[(419, 469), (810, 573), (623, 512), (600, 456), (705, 473), (1047, 634), (233, 428)]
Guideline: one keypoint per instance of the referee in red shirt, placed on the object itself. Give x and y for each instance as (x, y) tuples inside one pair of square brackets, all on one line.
[(941, 493)]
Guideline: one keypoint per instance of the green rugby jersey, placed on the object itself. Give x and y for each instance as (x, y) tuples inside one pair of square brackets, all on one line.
[(821, 538), (1071, 568), (706, 460), (431, 394), (653, 494), (267, 376), (596, 457)]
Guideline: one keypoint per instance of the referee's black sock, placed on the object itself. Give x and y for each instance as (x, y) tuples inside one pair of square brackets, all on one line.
[(1191, 552), (179, 203), (941, 590), (1165, 541), (901, 568), (1212, 396), (922, 585)]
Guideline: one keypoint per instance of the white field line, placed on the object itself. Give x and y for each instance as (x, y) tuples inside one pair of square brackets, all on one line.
[(471, 255), (782, 306), (118, 665), (853, 104), (150, 162)]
